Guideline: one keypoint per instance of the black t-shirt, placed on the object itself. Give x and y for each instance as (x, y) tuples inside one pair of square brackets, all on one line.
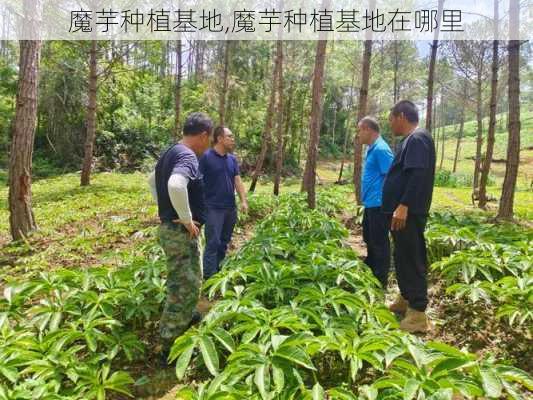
[(411, 176), (179, 159)]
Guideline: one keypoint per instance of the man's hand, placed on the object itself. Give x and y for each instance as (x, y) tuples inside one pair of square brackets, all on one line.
[(244, 207), (191, 226), (399, 218)]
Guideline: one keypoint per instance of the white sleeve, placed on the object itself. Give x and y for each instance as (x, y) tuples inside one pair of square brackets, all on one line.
[(151, 183), (179, 196)]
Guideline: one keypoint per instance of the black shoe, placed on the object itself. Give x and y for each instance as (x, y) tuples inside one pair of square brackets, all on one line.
[(196, 318)]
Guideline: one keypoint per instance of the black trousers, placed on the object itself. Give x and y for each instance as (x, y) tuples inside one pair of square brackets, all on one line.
[(376, 236), (410, 261)]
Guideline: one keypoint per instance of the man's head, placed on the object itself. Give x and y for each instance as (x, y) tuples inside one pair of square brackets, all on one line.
[(367, 130), (403, 117), (197, 131), (223, 139)]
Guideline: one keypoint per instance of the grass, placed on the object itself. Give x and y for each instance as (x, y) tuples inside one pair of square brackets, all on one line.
[(79, 226), (467, 150)]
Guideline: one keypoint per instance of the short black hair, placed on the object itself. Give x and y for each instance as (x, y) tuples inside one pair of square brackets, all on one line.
[(219, 131), (407, 108), (197, 123), (370, 122)]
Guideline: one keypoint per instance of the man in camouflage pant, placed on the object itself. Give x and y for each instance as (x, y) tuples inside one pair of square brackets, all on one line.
[(183, 280), (177, 186)]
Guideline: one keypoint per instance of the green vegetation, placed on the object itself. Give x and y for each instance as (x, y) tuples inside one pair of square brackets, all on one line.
[(295, 312)]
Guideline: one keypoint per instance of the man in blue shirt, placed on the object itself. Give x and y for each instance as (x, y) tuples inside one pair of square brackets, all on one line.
[(375, 223), (221, 178)]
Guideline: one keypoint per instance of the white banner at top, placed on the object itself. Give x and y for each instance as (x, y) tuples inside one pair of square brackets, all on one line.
[(264, 20)]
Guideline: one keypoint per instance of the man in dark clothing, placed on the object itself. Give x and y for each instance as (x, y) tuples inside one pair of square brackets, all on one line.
[(407, 194), (221, 177), (177, 186), (376, 224)]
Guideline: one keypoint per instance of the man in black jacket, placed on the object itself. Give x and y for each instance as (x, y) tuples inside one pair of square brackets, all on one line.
[(407, 194)]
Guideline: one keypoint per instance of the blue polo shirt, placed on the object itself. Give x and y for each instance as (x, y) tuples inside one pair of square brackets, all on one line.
[(219, 172), (377, 163)]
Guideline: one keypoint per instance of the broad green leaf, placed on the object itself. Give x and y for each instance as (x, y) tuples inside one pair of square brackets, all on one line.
[(447, 365), (515, 374), (183, 361), (209, 354), (410, 388), (318, 392), (259, 380), (224, 338), (491, 382), (295, 355)]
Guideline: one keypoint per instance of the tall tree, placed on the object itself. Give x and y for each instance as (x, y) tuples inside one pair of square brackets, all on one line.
[(91, 115), (513, 145), (470, 59), (432, 63), (347, 129), (485, 169), (177, 91), (461, 126), (21, 218), (309, 178), (279, 144), (363, 100), (267, 132), (225, 83)]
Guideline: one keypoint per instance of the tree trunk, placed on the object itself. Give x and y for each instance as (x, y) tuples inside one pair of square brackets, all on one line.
[(302, 133), (91, 116), (431, 75), (482, 202), (268, 127), (177, 92), (461, 127), (279, 148), (346, 132), (513, 146), (21, 218), (344, 148), (309, 179), (479, 139), (288, 125), (363, 99), (224, 90), (442, 142)]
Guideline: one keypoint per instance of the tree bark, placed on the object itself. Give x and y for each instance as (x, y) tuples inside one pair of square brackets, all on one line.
[(279, 148), (431, 75), (479, 139), (309, 179), (442, 142), (21, 217), (177, 92), (513, 146), (363, 99), (224, 90), (268, 127), (91, 116), (482, 202), (461, 127)]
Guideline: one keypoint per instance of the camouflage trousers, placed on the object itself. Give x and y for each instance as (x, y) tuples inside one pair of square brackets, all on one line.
[(184, 280)]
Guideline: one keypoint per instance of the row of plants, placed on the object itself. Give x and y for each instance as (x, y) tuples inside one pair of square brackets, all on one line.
[(450, 232), (71, 333), (483, 262), (67, 333), (299, 316)]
